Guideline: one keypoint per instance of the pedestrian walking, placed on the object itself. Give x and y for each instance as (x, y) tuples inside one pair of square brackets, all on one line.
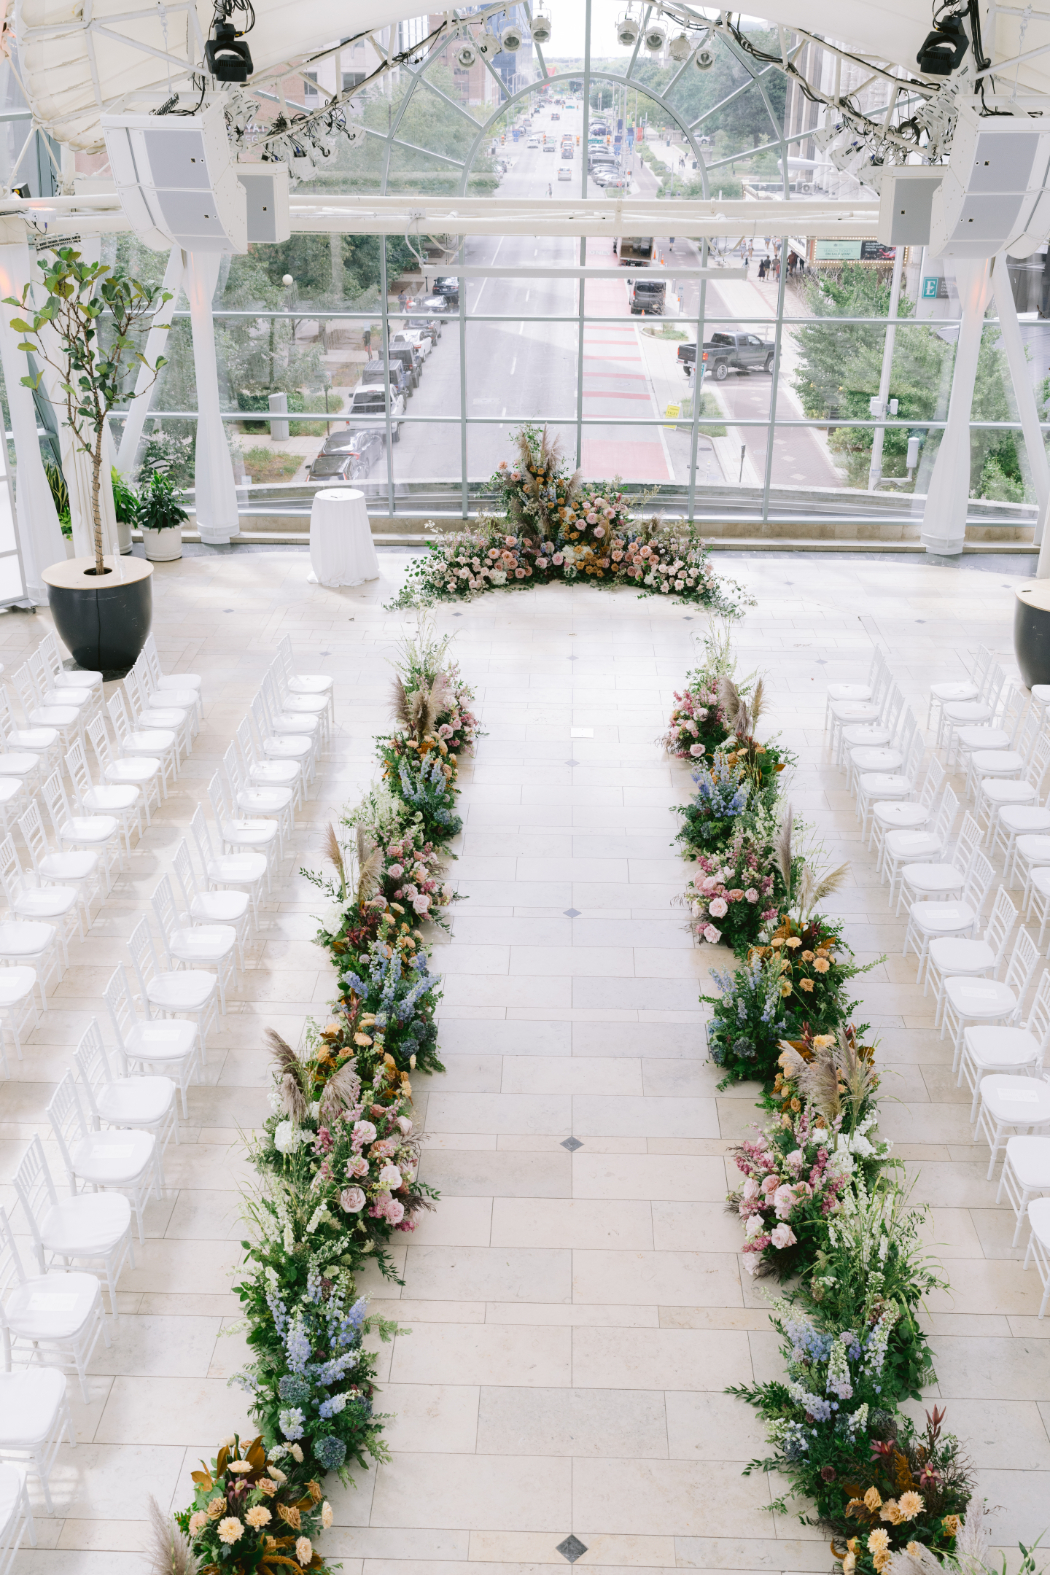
[(366, 340), (550, 190), (402, 298)]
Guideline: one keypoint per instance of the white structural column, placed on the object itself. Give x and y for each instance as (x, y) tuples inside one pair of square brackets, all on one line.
[(39, 534), (145, 383), (215, 489), (1024, 393), (944, 518)]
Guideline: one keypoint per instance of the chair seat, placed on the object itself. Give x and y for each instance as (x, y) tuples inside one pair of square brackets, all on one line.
[(24, 937), (148, 741), (68, 695), (165, 1040), (264, 800), (983, 738), (34, 737), (182, 698), (311, 704), (15, 984), (137, 1100), (912, 844), (855, 711), (202, 943), (934, 877), (29, 1402), (218, 907), (68, 866), (185, 990), (1030, 1159), (179, 681), (884, 782), (112, 1159), (1025, 817), (45, 902), (10, 787), (979, 997), (275, 772), (876, 759), (87, 1224), (250, 833), (942, 918), (867, 735), (901, 816), (968, 711), (997, 761), (141, 769), (53, 716), (961, 956), (992, 1047), (320, 684), (1016, 1101), (997, 792), (90, 828), (52, 1306), (15, 763), (1035, 849), (79, 678), (107, 799), (289, 746), (161, 716), (234, 868), (954, 692), (299, 723), (12, 1485), (1041, 880), (1039, 1220)]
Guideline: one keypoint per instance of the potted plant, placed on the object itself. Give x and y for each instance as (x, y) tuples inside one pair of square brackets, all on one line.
[(160, 516), (102, 605), (125, 506)]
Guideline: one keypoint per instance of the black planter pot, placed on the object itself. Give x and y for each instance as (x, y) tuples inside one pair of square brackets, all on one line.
[(1032, 632), (102, 619)]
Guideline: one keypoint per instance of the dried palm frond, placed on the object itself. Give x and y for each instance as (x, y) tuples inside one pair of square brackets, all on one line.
[(728, 697), (369, 877), (789, 1060), (169, 1550), (972, 1541), (402, 705), (335, 852), (818, 1083), (922, 1562), (782, 848), (856, 1073), (289, 1069), (830, 883), (756, 703), (341, 1092)]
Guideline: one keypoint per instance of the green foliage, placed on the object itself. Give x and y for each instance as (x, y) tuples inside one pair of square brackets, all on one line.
[(125, 498), (60, 492), (158, 507)]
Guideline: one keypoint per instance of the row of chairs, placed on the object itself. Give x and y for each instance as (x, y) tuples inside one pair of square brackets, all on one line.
[(908, 810)]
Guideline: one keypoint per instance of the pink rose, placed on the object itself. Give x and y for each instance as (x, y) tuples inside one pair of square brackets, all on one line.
[(719, 908), (559, 558), (352, 1200), (783, 1236), (509, 540), (541, 563), (519, 574), (712, 935), (404, 1124), (696, 749), (770, 1185), (599, 530), (783, 1202), (364, 1132), (358, 1166), (751, 895), (396, 871), (750, 1188)]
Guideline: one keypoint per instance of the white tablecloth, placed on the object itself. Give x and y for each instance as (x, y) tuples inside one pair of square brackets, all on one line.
[(341, 547)]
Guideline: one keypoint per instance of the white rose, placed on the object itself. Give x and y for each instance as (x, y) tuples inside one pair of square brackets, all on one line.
[(754, 1226), (286, 1137)]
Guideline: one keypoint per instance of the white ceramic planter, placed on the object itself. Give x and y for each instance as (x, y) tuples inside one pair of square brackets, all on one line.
[(162, 546)]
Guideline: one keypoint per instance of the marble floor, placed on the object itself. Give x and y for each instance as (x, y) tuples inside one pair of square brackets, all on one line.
[(571, 1318)]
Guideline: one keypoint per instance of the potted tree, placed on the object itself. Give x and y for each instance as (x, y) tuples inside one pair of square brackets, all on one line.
[(160, 516), (102, 605)]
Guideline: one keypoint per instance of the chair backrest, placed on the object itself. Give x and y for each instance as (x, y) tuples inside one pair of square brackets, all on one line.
[(35, 1190), (150, 662), (932, 783), (94, 1068), (56, 801), (22, 684), (118, 715), (12, 878), (1038, 1024), (37, 673), (163, 904), (7, 720), (11, 1270), (202, 837), (1013, 703), (67, 1123), (48, 654), (1001, 921), (219, 799), (1027, 735), (121, 1006), (970, 838), (1022, 965), (945, 817), (1039, 764), (246, 743), (33, 834), (994, 680), (96, 731), (893, 705), (143, 959), (236, 775), (981, 663), (133, 690), (260, 715), (77, 766), (185, 874), (979, 877)]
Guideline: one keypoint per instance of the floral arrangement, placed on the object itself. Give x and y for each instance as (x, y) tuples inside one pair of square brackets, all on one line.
[(248, 1515), (554, 530), (339, 1156), (734, 892), (698, 724), (722, 793)]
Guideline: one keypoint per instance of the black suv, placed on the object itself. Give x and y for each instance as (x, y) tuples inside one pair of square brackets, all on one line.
[(348, 455)]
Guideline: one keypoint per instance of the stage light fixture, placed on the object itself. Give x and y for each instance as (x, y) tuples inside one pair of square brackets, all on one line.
[(227, 56), (465, 56), (705, 59), (541, 27), (627, 31), (511, 40), (680, 47), (655, 37), (943, 48), (488, 46)]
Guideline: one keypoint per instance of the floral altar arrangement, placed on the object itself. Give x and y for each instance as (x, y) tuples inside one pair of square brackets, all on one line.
[(554, 529)]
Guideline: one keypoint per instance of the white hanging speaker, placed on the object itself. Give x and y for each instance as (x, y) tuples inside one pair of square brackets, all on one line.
[(995, 195), (511, 39), (177, 181), (627, 31), (541, 28), (465, 56), (655, 37)]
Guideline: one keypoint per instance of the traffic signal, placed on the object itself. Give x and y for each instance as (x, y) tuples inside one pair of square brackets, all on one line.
[(577, 141)]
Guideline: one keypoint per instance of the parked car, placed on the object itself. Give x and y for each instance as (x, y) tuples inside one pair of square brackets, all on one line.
[(387, 372), (411, 359), (410, 336), (565, 173), (605, 175), (368, 408), (447, 285), (724, 353), (426, 325), (634, 251), (441, 305), (647, 296), (348, 455)]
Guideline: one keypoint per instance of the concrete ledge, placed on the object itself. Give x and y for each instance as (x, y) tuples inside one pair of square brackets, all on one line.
[(1012, 549)]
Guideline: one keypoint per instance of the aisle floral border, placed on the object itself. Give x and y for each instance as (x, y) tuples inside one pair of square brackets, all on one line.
[(820, 1200)]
